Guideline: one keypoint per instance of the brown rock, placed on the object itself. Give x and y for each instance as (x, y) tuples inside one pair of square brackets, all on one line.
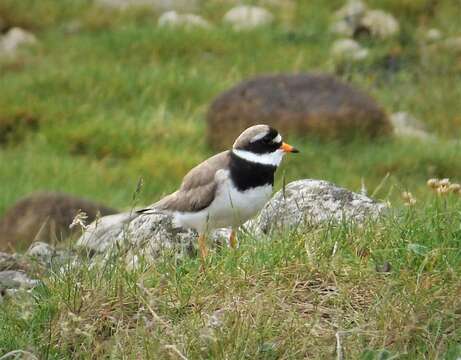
[(302, 104), (44, 217)]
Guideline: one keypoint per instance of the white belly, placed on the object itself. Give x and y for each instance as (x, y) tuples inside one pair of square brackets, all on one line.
[(229, 208)]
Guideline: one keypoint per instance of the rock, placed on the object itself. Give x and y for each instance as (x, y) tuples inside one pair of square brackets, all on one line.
[(10, 262), (406, 125), (342, 28), (433, 34), (156, 5), (354, 19), (348, 50), (312, 203), (44, 217), (48, 256), (11, 279), (100, 235), (380, 23), (173, 19), (15, 39), (303, 104), (41, 251), (245, 17), (145, 236), (347, 19)]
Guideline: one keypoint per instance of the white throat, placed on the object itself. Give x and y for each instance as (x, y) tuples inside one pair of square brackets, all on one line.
[(273, 158)]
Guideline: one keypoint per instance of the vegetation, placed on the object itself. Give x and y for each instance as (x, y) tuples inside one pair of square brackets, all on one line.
[(108, 98)]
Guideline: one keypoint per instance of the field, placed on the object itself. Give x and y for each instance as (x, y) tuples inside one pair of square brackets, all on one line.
[(108, 98)]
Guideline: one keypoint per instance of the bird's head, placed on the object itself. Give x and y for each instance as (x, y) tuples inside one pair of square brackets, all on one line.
[(262, 144)]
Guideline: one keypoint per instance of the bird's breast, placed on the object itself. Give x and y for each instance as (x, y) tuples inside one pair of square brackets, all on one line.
[(232, 206)]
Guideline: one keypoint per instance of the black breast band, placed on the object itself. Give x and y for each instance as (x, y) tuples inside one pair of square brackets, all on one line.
[(247, 174)]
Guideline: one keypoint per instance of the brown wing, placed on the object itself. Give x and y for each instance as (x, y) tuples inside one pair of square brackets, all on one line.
[(197, 189)]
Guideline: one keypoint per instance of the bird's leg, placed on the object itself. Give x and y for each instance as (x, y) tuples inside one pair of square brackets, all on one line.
[(202, 247), (233, 240)]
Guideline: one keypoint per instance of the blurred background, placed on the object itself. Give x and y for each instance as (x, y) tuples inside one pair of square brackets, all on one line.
[(98, 94)]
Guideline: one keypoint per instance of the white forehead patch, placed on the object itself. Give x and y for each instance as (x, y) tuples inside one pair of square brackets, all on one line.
[(258, 137), (277, 139)]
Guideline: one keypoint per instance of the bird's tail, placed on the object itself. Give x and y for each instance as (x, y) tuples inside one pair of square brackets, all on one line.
[(149, 211)]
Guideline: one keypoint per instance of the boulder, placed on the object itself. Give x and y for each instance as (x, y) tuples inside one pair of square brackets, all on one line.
[(42, 252), (102, 234), (301, 203), (44, 217), (347, 18), (355, 19), (15, 39), (11, 279), (173, 19), (308, 203), (380, 24), (245, 17), (143, 235), (304, 104)]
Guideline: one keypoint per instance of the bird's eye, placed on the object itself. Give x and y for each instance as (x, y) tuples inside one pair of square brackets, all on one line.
[(267, 139)]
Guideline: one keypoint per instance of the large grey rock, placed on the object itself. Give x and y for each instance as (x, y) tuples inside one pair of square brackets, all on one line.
[(157, 5), (156, 232), (245, 17), (15, 39), (11, 279), (302, 203), (188, 21), (143, 236), (311, 203), (104, 232)]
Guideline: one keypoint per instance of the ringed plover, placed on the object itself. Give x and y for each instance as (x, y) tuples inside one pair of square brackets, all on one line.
[(229, 188)]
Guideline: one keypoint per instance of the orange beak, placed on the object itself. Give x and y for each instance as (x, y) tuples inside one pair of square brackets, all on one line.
[(288, 148)]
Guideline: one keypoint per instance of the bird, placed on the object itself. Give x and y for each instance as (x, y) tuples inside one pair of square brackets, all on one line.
[(228, 188)]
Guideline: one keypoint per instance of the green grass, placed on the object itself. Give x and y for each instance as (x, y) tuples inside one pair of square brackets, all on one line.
[(283, 297), (121, 99), (128, 99)]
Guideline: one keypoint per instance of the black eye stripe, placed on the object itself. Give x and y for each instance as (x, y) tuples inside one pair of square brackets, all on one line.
[(264, 145)]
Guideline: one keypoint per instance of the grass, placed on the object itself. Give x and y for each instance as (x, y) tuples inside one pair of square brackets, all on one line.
[(129, 99), (283, 297), (121, 99)]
